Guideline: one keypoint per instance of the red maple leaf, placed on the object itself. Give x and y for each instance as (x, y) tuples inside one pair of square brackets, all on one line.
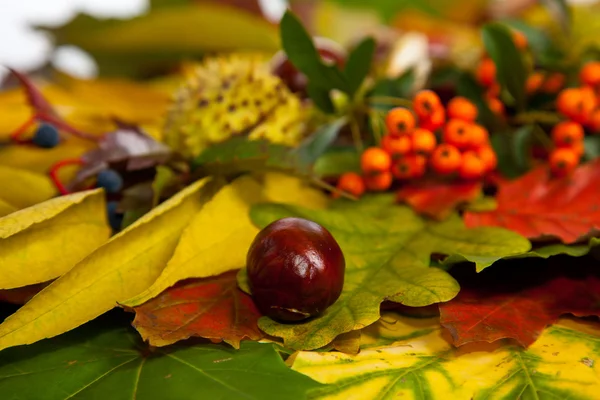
[(484, 314), (212, 308), (437, 200), (538, 205)]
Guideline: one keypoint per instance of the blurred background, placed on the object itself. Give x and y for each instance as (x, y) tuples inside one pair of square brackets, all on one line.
[(145, 38)]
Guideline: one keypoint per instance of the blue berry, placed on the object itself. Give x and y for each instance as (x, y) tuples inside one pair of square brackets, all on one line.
[(110, 180), (46, 136), (114, 219)]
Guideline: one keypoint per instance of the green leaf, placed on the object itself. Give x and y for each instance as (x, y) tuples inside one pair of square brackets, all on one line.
[(336, 161), (320, 98), (510, 66), (317, 144), (512, 149), (302, 53), (186, 31), (400, 87), (239, 154), (387, 249), (104, 360), (359, 64)]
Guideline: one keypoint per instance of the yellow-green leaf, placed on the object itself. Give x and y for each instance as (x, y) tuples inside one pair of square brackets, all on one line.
[(125, 266), (387, 249), (21, 188), (44, 241), (218, 237), (189, 29), (417, 362)]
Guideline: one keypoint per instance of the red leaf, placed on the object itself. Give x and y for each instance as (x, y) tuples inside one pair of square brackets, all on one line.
[(212, 308), (479, 314), (540, 206), (438, 200), (34, 95), (43, 110)]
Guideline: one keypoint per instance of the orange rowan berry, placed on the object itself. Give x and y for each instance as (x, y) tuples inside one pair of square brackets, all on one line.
[(578, 148), (563, 161), (486, 72), (445, 159), (567, 133), (576, 103), (590, 74), (375, 160), (493, 90), (379, 182), (488, 156), (593, 121), (423, 141), (461, 108), (496, 106), (397, 146), (435, 121), (425, 103), (458, 133), (553, 83), (399, 121), (479, 136), (472, 166), (519, 39), (352, 183), (534, 82), (410, 167)]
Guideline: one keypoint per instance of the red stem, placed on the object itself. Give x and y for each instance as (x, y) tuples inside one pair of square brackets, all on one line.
[(16, 135), (54, 173)]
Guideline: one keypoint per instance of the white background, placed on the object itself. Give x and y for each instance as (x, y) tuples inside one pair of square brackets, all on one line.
[(21, 47)]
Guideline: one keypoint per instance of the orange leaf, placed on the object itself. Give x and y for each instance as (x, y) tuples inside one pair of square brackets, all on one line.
[(539, 206), (212, 308), (438, 200)]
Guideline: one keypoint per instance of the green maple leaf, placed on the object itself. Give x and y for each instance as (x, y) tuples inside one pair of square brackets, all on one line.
[(387, 249), (111, 362)]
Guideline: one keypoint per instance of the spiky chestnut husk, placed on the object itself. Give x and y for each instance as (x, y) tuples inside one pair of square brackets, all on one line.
[(233, 95)]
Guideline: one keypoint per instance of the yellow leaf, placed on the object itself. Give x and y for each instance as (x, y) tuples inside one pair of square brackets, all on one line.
[(21, 188), (6, 208), (410, 358), (125, 266), (39, 160), (42, 242), (218, 237)]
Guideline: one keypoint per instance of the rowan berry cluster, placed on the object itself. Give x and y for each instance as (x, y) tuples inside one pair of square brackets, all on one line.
[(580, 106), (444, 142)]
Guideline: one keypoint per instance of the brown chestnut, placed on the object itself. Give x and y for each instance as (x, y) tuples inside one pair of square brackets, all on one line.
[(295, 269)]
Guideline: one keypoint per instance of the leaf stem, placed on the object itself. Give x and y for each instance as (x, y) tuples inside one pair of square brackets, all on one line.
[(543, 117), (389, 101), (324, 185), (356, 138)]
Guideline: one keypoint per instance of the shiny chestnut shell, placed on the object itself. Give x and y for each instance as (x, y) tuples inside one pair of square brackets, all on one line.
[(295, 269)]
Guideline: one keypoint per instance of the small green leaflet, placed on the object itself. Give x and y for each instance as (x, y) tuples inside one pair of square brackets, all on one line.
[(358, 64), (104, 360)]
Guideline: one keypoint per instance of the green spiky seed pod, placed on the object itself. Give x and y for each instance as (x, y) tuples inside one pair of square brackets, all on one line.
[(233, 95)]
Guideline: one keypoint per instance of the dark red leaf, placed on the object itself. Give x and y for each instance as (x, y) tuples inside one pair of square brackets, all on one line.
[(212, 308), (539, 206), (43, 110), (484, 314), (438, 200)]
